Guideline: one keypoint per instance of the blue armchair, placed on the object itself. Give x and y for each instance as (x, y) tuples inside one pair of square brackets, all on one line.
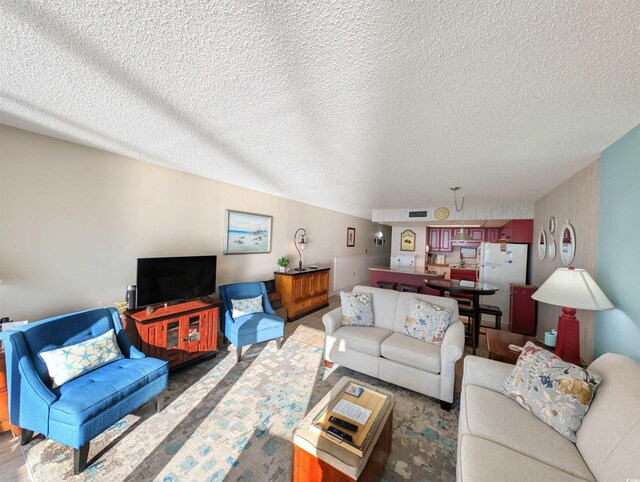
[(254, 327), (84, 407)]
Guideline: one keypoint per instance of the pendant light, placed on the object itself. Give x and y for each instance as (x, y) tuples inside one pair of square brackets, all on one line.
[(461, 236)]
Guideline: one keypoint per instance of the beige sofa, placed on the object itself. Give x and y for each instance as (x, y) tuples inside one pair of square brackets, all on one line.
[(384, 352), (498, 440)]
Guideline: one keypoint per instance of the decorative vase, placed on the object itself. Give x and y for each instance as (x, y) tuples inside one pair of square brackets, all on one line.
[(283, 269)]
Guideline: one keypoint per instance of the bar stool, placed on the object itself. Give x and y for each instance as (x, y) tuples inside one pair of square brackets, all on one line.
[(410, 288), (492, 310), (387, 285)]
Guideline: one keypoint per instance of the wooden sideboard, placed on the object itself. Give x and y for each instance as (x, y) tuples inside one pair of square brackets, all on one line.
[(4, 399), (179, 333), (303, 292)]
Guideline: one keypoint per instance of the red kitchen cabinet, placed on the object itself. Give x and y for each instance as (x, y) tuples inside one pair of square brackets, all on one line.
[(445, 239), (440, 239), (477, 234), (522, 310), (518, 231), (491, 234), (434, 238)]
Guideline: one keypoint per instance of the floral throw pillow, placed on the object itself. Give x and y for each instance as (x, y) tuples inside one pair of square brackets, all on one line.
[(357, 309), (427, 322), (557, 392), (246, 306)]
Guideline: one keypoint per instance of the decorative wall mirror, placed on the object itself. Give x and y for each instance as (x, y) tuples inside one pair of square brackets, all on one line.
[(551, 225), (552, 248), (567, 244), (542, 244)]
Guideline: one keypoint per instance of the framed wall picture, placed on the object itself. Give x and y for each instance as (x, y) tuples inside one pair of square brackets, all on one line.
[(247, 233), (351, 237), (407, 240)]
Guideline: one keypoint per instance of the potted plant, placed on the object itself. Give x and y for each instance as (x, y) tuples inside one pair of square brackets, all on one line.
[(283, 262)]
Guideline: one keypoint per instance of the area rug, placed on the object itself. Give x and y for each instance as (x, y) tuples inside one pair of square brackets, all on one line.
[(228, 421)]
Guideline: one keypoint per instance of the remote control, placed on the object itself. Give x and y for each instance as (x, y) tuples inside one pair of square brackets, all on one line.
[(336, 432), (343, 423)]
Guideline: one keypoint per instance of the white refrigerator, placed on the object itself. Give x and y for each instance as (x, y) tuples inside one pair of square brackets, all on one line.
[(501, 267)]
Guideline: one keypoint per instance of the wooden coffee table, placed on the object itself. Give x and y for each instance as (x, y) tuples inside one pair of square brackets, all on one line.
[(315, 458), (498, 342)]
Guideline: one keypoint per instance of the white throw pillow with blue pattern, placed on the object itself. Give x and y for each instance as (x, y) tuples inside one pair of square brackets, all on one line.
[(357, 309), (246, 306), (426, 321), (69, 362)]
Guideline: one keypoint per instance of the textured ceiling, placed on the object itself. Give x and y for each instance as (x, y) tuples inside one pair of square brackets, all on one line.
[(347, 105)]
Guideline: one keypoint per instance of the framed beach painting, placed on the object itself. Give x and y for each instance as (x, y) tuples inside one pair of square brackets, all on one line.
[(247, 233)]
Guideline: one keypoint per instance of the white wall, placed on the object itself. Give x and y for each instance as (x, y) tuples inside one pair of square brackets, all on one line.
[(421, 242), (74, 219)]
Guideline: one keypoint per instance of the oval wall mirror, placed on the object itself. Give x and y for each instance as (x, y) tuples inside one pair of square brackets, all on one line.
[(567, 244), (552, 248), (551, 225), (542, 244)]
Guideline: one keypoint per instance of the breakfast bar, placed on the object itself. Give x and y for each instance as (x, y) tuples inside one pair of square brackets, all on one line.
[(403, 276)]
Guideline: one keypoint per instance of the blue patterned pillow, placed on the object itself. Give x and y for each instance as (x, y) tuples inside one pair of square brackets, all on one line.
[(246, 306), (557, 392), (69, 362), (357, 309), (427, 322)]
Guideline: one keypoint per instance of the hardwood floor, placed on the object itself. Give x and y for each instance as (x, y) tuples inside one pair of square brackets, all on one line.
[(13, 466), (309, 330)]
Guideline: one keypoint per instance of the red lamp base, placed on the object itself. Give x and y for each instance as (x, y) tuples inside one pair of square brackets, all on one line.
[(568, 341)]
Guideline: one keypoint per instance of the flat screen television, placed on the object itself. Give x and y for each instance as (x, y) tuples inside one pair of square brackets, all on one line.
[(162, 280)]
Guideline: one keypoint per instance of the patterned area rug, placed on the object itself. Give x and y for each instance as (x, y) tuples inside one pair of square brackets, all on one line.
[(228, 421)]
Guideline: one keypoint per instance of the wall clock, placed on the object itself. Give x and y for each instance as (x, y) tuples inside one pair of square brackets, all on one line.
[(441, 214)]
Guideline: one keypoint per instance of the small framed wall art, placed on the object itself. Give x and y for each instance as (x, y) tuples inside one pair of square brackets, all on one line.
[(247, 233), (407, 240), (351, 237)]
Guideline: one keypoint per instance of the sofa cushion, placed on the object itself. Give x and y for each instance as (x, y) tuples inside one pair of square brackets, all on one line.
[(426, 321), (246, 306), (414, 353), (357, 309), (72, 361), (91, 394), (557, 392), (609, 435), (485, 461), (491, 416), (362, 339), (384, 305)]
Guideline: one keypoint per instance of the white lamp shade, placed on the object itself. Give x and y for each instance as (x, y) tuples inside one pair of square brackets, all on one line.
[(573, 288)]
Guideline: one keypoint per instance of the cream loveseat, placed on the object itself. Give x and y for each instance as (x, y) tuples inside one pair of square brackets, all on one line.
[(498, 440), (382, 351)]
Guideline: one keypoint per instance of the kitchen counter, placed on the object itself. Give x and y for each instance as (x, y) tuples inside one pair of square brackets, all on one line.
[(402, 276)]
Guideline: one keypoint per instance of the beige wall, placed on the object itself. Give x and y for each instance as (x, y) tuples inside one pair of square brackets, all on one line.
[(74, 219), (575, 200)]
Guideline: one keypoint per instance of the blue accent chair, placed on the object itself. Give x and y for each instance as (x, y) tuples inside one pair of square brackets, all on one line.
[(254, 327), (84, 407)]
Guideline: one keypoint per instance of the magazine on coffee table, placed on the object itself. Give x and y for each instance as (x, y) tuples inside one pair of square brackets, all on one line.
[(364, 411)]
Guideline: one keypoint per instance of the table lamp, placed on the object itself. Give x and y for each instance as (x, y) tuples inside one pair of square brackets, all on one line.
[(571, 289)]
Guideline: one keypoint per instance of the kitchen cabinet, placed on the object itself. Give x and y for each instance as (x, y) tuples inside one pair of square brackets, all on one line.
[(463, 274), (491, 234), (440, 239), (518, 231)]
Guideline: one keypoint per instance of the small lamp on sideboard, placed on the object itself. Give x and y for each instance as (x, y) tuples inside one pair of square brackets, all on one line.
[(299, 245), (571, 289)]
